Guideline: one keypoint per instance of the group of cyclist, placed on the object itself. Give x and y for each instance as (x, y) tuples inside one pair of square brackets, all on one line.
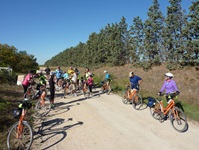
[(71, 77), (169, 86)]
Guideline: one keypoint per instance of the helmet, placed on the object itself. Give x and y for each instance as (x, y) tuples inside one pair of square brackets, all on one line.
[(130, 74), (51, 73), (105, 71), (168, 74), (17, 113)]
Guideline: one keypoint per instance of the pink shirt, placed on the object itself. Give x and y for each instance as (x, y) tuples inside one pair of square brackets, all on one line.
[(27, 79), (90, 81)]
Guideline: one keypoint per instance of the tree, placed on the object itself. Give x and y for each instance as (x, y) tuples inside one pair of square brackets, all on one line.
[(153, 38)]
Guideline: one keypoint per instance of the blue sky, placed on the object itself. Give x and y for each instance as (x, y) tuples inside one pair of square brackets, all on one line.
[(45, 28)]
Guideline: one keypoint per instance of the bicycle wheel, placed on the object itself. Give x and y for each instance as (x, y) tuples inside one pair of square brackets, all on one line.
[(178, 120), (137, 101), (156, 112), (30, 94), (108, 90), (41, 111), (86, 92), (125, 97), (25, 140)]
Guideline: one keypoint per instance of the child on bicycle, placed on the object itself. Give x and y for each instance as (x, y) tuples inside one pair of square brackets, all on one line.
[(169, 86)]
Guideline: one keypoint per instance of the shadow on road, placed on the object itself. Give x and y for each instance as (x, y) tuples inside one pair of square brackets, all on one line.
[(49, 129)]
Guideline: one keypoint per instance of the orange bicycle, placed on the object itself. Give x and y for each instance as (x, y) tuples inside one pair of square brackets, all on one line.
[(20, 135), (176, 115), (106, 88), (136, 99)]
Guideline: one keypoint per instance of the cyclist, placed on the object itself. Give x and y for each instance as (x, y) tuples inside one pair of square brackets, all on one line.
[(27, 81), (87, 73), (47, 70), (42, 82), (52, 88), (107, 78), (169, 86), (58, 72), (135, 81), (71, 71), (90, 83), (74, 82)]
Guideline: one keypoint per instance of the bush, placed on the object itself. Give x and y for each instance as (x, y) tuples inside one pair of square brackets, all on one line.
[(7, 77)]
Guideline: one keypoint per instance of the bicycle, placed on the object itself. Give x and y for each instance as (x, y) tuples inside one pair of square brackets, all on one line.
[(20, 136), (30, 94), (43, 105), (106, 88), (136, 100), (160, 112)]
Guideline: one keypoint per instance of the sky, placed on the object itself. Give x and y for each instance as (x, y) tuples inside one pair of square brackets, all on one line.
[(44, 28)]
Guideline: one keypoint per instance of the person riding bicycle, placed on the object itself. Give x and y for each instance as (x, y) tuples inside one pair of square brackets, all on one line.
[(27, 81), (58, 72), (135, 81), (47, 70), (71, 71), (41, 84), (169, 86)]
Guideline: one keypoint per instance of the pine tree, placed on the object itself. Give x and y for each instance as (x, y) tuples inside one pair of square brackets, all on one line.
[(153, 38)]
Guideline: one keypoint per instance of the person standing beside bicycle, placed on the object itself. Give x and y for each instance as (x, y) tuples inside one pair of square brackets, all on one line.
[(135, 81), (27, 82), (52, 88), (58, 72), (90, 83), (169, 86), (47, 70)]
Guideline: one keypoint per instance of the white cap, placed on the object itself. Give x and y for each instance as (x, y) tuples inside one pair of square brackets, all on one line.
[(105, 71), (168, 74)]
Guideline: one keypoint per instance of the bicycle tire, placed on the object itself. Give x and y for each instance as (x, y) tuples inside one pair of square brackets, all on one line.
[(20, 143), (124, 97), (108, 91), (137, 101), (155, 113), (86, 92), (41, 111), (179, 123)]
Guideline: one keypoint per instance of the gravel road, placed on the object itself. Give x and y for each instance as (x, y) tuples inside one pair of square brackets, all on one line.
[(105, 123)]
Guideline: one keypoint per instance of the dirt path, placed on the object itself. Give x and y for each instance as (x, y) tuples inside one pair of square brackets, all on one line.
[(105, 123)]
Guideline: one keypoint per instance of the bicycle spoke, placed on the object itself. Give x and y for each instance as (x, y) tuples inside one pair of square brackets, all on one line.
[(178, 120)]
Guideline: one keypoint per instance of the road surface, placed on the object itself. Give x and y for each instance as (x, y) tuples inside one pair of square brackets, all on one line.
[(105, 123)]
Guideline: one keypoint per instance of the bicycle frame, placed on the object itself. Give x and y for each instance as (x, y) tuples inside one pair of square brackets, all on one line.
[(20, 125), (166, 109)]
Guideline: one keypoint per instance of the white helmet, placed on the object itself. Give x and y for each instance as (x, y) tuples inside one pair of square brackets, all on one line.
[(105, 71), (168, 74)]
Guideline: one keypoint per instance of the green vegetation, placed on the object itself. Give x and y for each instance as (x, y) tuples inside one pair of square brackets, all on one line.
[(18, 61), (172, 39)]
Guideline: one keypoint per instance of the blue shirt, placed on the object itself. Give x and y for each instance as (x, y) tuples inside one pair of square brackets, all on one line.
[(58, 73), (107, 76), (134, 82), (66, 76)]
